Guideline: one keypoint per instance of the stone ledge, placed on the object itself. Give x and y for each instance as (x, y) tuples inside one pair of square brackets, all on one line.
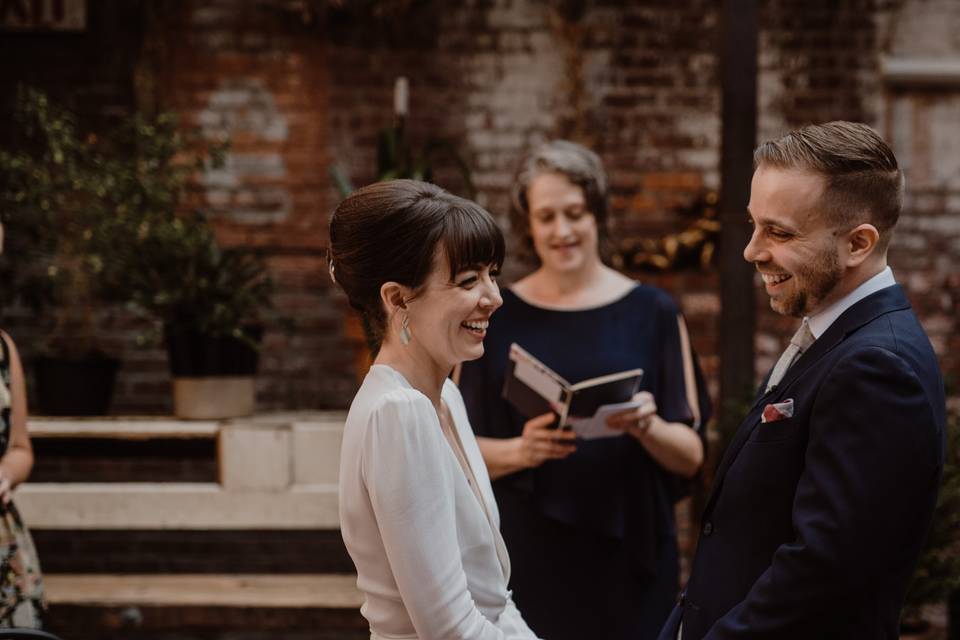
[(147, 505), (926, 72), (334, 591), (146, 427), (121, 428)]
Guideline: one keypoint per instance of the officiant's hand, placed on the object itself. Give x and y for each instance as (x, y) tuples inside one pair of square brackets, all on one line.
[(637, 421), (540, 443)]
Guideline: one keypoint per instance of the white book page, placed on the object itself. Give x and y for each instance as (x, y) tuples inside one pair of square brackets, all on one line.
[(538, 380), (596, 425)]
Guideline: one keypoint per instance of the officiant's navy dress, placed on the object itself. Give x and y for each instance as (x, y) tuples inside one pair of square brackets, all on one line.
[(592, 537)]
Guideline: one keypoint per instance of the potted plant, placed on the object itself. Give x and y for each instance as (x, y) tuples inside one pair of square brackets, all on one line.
[(100, 226), (937, 576), (168, 266), (50, 199), (209, 301)]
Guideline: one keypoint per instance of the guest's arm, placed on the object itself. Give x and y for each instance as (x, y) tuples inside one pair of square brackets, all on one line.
[(17, 462), (675, 446)]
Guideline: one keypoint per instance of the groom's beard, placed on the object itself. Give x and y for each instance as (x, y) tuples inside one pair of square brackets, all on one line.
[(811, 283)]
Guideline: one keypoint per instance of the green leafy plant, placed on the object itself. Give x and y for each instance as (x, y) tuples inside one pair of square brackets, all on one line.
[(50, 200), (396, 159), (96, 220), (165, 264), (938, 570), (173, 270)]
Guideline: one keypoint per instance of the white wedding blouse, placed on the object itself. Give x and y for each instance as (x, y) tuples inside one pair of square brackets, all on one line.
[(430, 560)]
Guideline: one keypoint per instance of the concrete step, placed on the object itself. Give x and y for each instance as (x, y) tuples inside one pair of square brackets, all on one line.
[(205, 607), (123, 449), (323, 591), (184, 551)]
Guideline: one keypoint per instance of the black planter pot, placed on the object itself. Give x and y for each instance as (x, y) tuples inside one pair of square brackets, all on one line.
[(70, 387), (194, 355)]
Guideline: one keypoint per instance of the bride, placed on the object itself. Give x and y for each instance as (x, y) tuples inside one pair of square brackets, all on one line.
[(417, 512)]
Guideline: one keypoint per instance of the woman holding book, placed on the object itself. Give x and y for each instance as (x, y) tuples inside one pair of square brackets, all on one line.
[(417, 512), (590, 522)]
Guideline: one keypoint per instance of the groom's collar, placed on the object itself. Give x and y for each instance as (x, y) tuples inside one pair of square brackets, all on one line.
[(820, 322)]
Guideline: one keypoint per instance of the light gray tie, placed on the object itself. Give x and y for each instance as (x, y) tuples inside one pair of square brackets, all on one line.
[(799, 343)]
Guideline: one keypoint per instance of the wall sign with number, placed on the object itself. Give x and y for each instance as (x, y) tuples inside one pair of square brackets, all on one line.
[(43, 15)]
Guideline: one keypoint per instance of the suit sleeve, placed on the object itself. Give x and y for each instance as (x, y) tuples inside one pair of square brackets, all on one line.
[(870, 476), (412, 495)]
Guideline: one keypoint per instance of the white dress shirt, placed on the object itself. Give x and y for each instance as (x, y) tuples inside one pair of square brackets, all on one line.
[(430, 560)]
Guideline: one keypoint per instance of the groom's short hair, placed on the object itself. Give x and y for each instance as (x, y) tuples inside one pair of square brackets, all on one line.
[(863, 182)]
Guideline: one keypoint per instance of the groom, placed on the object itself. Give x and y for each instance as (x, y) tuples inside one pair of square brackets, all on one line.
[(824, 496)]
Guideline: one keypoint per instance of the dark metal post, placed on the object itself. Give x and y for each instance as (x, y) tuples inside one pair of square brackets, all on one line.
[(738, 71)]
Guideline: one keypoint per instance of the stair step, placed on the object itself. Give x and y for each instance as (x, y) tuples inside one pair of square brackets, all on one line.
[(123, 450), (178, 551), (110, 459), (324, 591), (205, 607)]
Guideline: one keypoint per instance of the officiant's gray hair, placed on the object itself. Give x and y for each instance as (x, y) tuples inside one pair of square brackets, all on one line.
[(580, 165)]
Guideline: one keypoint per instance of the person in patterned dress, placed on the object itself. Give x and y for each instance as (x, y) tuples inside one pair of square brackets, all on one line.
[(21, 584)]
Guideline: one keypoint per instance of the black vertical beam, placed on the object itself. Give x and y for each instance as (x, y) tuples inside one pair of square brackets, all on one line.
[(738, 70)]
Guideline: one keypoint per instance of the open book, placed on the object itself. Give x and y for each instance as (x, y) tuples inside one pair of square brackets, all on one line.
[(534, 388)]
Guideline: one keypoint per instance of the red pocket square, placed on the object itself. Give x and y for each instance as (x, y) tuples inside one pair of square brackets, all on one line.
[(778, 411)]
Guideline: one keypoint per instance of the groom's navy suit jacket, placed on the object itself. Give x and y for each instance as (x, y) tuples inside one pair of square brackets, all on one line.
[(815, 522)]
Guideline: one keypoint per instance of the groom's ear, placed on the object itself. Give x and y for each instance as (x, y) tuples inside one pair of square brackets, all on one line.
[(861, 243)]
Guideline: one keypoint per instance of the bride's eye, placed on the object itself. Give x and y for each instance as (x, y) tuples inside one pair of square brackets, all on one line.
[(468, 280)]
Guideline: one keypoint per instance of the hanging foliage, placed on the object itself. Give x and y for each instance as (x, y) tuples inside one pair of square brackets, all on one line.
[(691, 248)]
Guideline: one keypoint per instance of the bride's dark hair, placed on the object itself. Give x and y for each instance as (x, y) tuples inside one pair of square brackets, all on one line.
[(391, 231)]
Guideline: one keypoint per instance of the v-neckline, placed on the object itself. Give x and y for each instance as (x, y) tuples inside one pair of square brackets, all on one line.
[(452, 435), (463, 460)]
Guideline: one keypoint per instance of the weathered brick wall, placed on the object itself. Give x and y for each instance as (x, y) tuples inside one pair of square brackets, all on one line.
[(822, 61), (923, 124), (250, 71), (499, 77), (638, 83)]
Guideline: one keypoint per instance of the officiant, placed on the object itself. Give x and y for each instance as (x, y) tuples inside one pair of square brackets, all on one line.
[(589, 523)]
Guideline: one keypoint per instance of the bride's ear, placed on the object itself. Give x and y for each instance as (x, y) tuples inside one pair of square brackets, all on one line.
[(394, 296)]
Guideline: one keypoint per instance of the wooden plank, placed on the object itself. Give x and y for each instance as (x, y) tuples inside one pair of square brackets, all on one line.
[(233, 590)]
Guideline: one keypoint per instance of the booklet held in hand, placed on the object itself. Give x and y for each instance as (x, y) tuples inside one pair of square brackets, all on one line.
[(534, 389)]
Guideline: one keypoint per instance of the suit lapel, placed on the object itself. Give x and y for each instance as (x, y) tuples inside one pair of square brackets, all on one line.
[(884, 301)]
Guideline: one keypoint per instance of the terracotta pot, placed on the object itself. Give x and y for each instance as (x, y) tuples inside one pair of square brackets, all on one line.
[(214, 397), (213, 377)]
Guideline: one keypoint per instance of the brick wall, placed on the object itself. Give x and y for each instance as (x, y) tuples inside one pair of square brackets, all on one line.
[(299, 93), (923, 124), (638, 82)]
